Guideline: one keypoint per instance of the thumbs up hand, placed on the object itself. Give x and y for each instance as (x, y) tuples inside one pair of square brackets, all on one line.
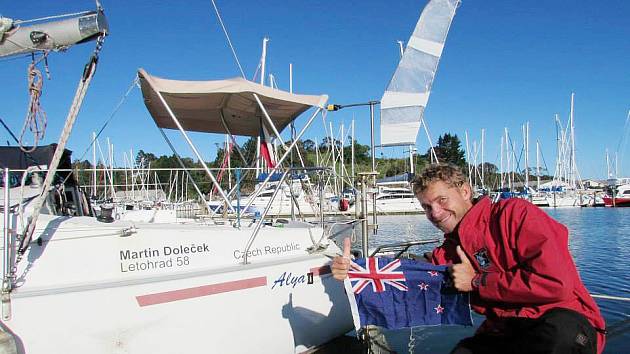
[(463, 272), (341, 264)]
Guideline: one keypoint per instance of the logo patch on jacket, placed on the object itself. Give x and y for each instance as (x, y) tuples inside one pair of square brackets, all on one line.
[(482, 258)]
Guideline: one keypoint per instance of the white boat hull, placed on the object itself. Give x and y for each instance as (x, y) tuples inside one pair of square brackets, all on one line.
[(158, 288), (393, 206), (563, 201)]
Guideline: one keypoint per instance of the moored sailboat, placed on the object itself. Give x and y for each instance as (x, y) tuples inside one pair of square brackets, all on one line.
[(132, 286)]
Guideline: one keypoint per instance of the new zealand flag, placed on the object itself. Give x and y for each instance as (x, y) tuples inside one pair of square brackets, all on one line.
[(398, 293)]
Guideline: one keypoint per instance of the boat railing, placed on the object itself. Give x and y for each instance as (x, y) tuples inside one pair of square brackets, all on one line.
[(6, 234), (400, 248), (286, 172), (118, 187)]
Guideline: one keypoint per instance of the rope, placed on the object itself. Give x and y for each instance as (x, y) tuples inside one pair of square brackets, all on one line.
[(411, 346), (84, 83), (216, 9), (35, 119)]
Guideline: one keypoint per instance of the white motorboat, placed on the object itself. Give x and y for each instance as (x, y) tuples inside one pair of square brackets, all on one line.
[(296, 197), (397, 200)]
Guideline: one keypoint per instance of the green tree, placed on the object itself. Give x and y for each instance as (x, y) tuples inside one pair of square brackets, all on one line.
[(82, 176), (488, 168), (309, 145), (327, 142), (448, 149), (361, 154), (249, 149), (144, 157)]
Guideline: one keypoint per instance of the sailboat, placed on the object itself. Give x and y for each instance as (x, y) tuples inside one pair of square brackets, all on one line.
[(564, 190), (74, 283)]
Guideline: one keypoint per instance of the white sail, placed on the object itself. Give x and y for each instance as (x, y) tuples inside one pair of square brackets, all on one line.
[(403, 103)]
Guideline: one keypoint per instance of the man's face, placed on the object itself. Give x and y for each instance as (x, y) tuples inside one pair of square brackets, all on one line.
[(445, 205)]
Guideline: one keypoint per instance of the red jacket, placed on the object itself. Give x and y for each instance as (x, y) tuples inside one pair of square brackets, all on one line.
[(523, 263)]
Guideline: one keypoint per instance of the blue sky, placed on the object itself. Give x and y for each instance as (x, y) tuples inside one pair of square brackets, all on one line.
[(505, 62)]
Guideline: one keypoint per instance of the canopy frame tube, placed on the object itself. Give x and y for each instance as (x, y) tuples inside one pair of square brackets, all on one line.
[(284, 156), (269, 121), (184, 168), (192, 146)]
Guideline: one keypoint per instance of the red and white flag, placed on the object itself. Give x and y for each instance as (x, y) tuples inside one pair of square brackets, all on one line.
[(266, 147)]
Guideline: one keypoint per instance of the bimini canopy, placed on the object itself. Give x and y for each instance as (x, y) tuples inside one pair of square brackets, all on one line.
[(198, 104)]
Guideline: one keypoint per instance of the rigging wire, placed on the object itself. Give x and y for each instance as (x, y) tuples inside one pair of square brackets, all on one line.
[(623, 141), (227, 36), (81, 13), (111, 116), (15, 57)]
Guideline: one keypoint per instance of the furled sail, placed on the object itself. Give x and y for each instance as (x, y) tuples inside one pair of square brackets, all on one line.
[(405, 99)]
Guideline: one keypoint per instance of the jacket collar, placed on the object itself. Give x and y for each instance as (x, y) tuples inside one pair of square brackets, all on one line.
[(475, 219)]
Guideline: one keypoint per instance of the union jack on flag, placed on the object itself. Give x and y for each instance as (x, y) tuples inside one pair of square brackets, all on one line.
[(376, 276), (398, 293)]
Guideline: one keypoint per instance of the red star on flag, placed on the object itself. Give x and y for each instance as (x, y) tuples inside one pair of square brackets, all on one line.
[(423, 286), (433, 273), (439, 309)]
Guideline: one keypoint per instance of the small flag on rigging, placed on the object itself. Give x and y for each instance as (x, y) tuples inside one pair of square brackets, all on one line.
[(266, 147)]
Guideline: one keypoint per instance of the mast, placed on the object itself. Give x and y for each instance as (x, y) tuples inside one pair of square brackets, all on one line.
[(502, 177), (133, 176), (468, 158), (526, 145), (291, 78), (126, 164), (111, 166), (317, 152), (573, 170), (263, 59), (608, 174), (508, 157), (557, 173), (352, 150), (537, 166), (228, 150), (94, 164), (343, 140), (412, 167), (483, 167)]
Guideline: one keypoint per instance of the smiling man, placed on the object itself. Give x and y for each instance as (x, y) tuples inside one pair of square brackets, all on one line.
[(515, 261)]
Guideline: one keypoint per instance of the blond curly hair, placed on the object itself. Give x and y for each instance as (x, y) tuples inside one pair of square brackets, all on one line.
[(444, 172)]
